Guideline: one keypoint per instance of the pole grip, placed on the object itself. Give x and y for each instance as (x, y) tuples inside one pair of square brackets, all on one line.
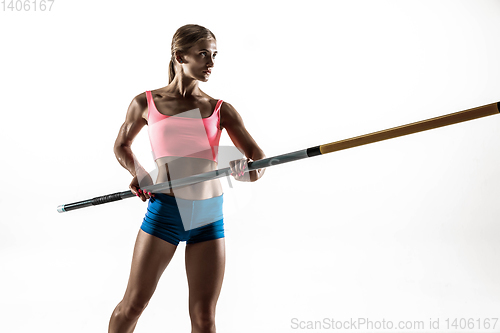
[(95, 201)]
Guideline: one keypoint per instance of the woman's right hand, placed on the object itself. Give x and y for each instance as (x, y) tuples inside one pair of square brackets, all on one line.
[(134, 187)]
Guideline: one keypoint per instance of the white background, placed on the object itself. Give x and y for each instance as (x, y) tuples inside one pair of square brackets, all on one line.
[(405, 229)]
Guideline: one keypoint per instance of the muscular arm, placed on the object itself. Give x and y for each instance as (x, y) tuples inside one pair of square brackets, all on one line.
[(128, 131), (233, 123)]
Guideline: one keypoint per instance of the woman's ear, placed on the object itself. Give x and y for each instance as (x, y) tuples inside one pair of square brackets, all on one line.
[(178, 57)]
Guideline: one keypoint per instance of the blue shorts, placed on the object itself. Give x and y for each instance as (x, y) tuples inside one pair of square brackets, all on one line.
[(175, 220)]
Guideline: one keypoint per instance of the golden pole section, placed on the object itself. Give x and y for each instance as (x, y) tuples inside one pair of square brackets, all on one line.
[(452, 118)]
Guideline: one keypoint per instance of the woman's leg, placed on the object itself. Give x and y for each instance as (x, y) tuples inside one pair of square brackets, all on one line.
[(205, 264), (151, 257)]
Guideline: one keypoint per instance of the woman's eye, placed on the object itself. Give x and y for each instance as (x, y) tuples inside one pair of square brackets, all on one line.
[(205, 54)]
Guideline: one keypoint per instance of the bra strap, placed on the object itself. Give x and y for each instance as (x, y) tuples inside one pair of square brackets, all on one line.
[(217, 109), (218, 105)]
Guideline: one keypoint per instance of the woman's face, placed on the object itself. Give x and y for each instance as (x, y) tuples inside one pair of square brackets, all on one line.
[(199, 60)]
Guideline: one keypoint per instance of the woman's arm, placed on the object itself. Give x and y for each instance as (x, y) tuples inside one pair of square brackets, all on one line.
[(123, 151), (233, 123), (128, 131)]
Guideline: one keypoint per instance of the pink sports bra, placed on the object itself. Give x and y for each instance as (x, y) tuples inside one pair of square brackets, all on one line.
[(183, 136)]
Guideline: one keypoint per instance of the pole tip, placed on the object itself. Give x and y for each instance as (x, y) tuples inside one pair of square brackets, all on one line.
[(60, 209)]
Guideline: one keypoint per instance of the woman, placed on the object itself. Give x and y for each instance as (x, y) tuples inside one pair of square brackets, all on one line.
[(193, 51)]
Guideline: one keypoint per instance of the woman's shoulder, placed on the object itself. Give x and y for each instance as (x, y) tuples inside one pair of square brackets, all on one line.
[(227, 108), (141, 98), (229, 115), (140, 105), (213, 101)]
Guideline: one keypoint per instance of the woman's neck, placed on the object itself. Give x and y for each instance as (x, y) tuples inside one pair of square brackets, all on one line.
[(184, 87)]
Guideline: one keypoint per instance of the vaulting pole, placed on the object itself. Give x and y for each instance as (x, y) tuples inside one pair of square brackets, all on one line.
[(424, 125)]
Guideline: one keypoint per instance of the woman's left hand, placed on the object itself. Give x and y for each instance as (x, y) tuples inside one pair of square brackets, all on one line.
[(239, 169)]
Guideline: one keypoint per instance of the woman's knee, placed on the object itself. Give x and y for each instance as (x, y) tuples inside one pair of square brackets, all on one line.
[(203, 319), (133, 308), (204, 324)]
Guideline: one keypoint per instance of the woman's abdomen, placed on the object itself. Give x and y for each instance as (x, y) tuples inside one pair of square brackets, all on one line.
[(171, 168)]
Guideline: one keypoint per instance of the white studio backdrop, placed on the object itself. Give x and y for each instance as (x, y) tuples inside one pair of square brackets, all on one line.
[(402, 230)]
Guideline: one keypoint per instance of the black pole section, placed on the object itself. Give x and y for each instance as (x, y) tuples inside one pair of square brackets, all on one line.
[(96, 201)]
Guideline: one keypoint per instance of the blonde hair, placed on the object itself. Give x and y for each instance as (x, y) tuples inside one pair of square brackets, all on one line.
[(184, 38)]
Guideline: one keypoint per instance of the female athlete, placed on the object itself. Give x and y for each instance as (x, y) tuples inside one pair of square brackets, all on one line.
[(180, 150)]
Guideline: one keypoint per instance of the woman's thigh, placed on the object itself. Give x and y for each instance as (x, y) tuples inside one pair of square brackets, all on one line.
[(151, 257), (205, 264)]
